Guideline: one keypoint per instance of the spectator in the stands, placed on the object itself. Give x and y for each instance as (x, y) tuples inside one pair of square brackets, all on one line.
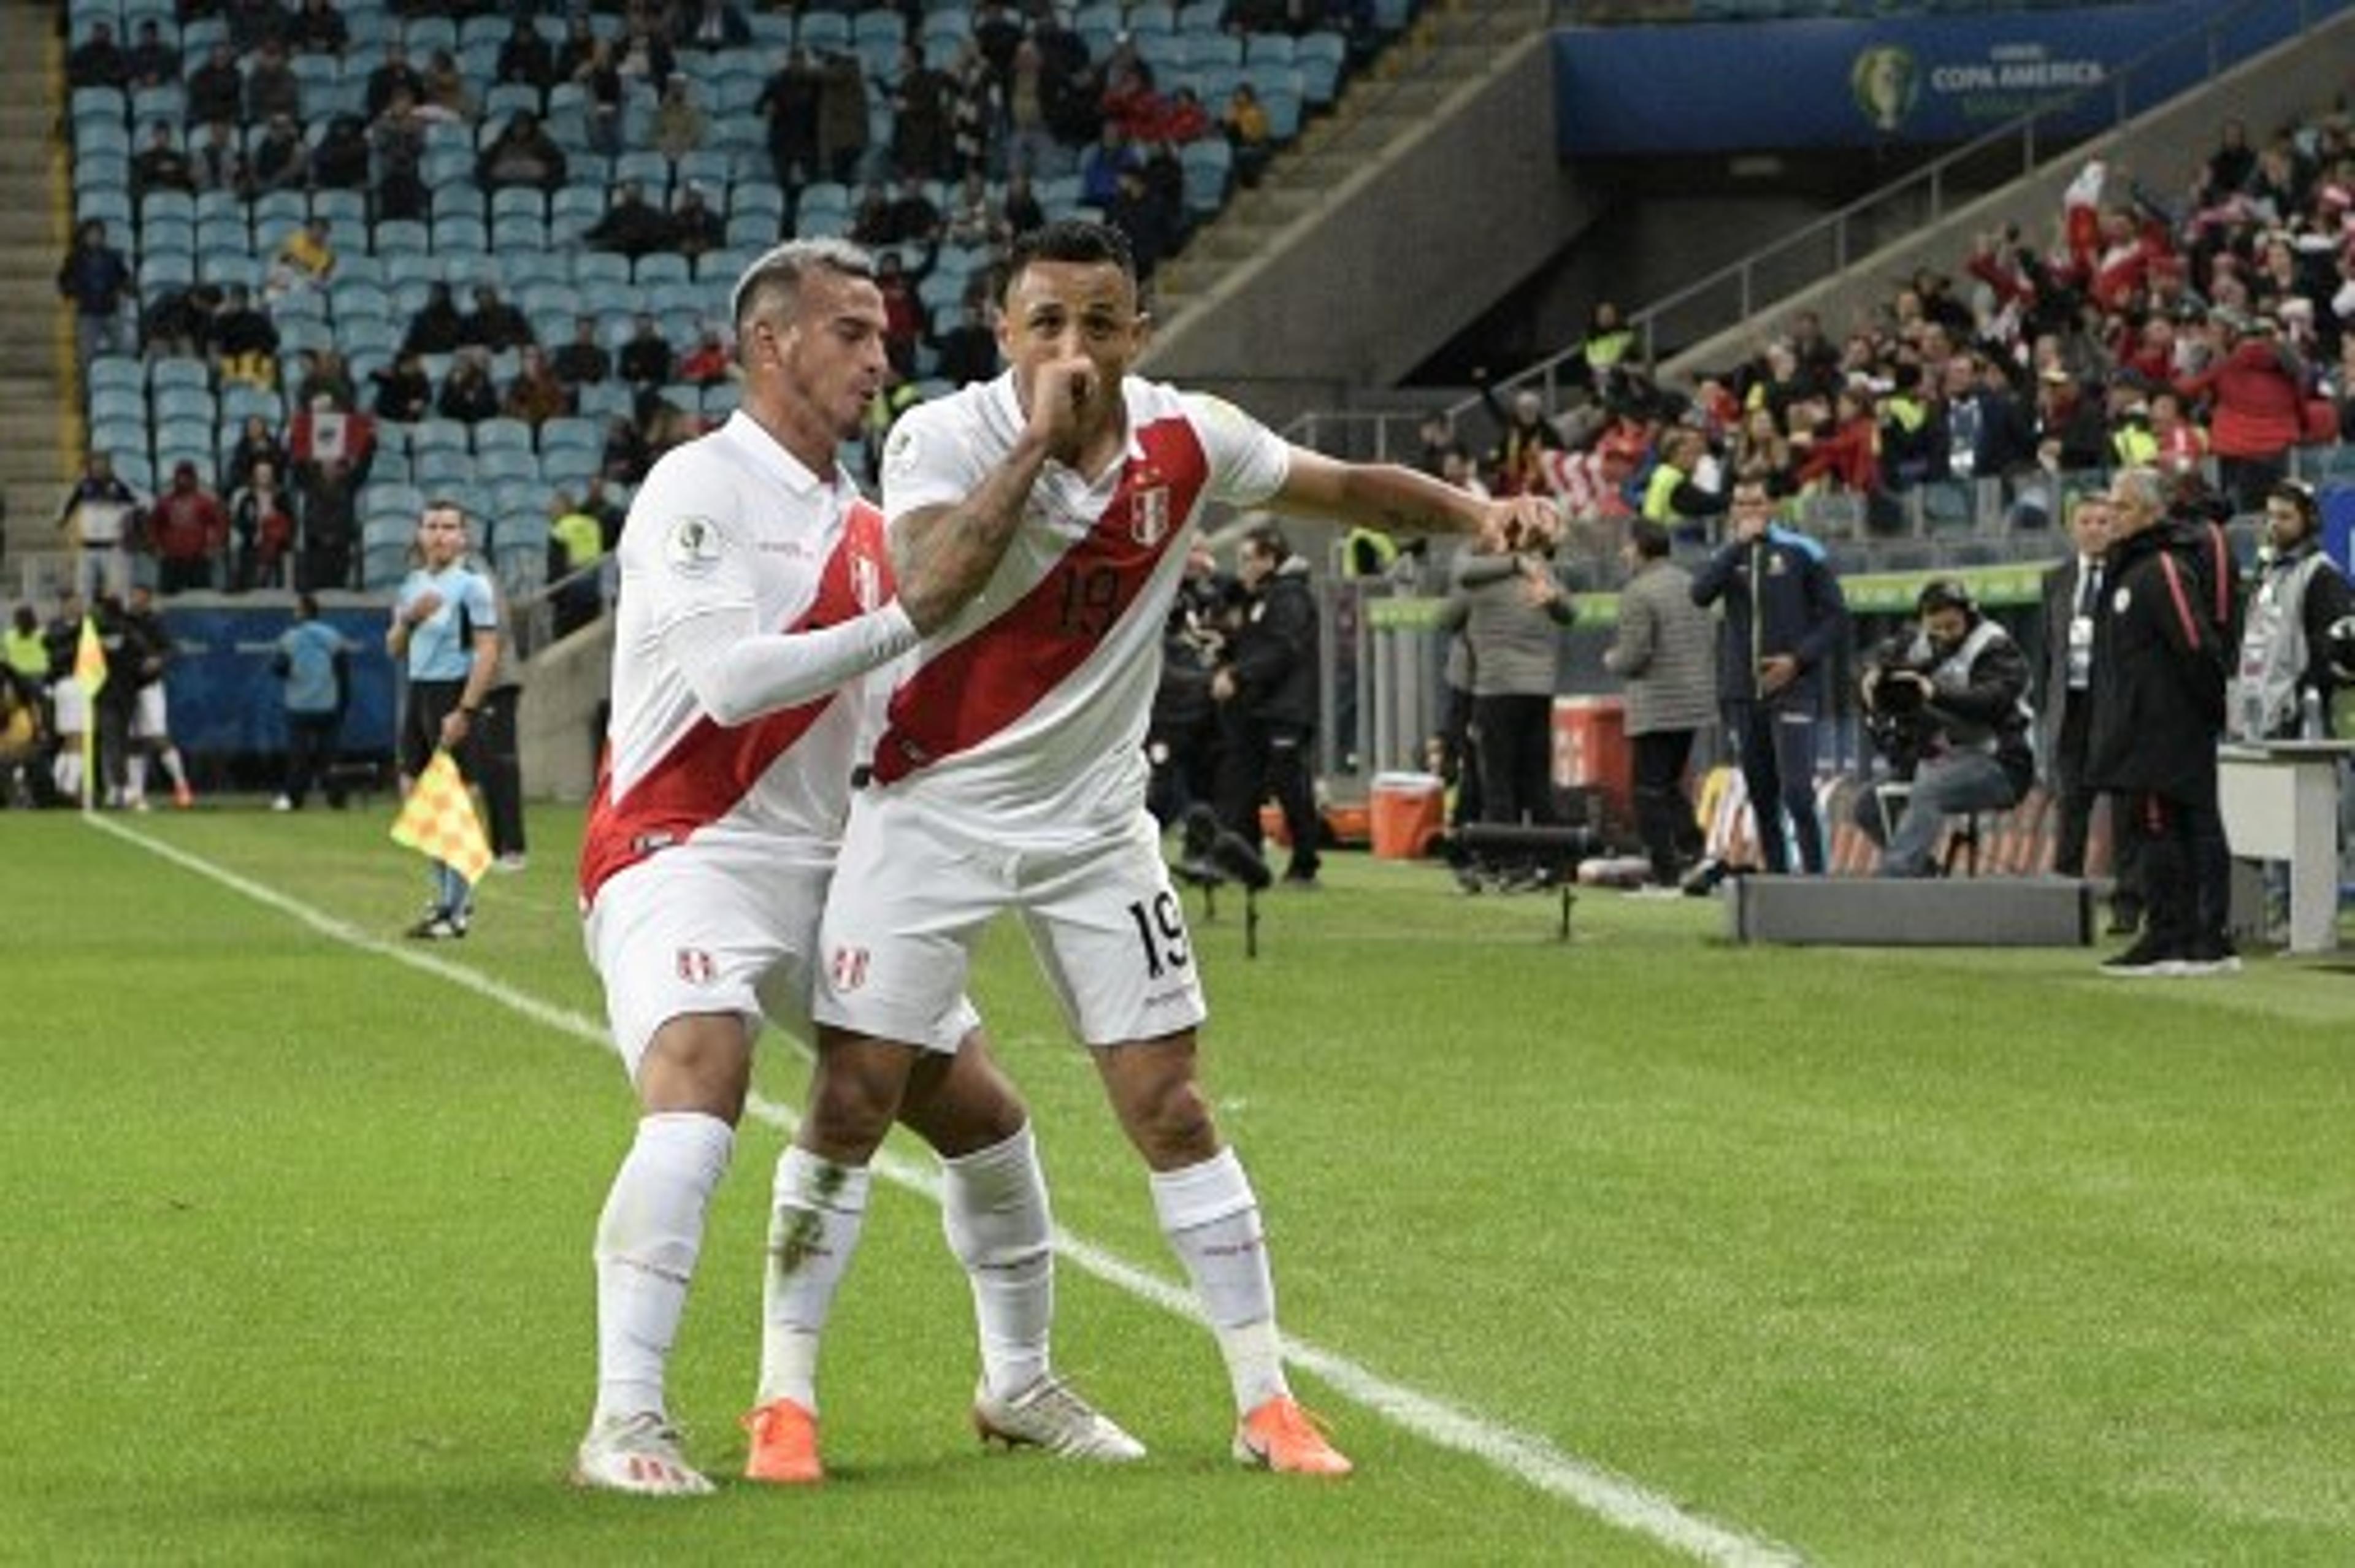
[(306, 259), (626, 456), (216, 88), (1987, 432), (271, 85), (493, 323), (438, 326), (973, 223), (404, 392), (922, 97), (261, 521), (905, 319), (598, 77), (467, 393), (1244, 123), (327, 495), (1022, 208), (1102, 165), (1674, 495), (186, 531), (326, 431), (217, 163), (841, 116), (526, 58), (678, 127), (1760, 450), (714, 25), (631, 225), (398, 139), (447, 90), (252, 23), (695, 228), (150, 61), (342, 160), (644, 53), (281, 159), (245, 340), (2073, 422), (317, 27), (159, 165), (788, 105), (968, 351), (535, 396), (976, 111), (580, 44), (394, 75), (521, 154), (2256, 403), (2231, 166), (97, 61), (323, 372), (97, 279), (1144, 218), (256, 443), (646, 356), (1516, 465), (707, 359), (584, 361)]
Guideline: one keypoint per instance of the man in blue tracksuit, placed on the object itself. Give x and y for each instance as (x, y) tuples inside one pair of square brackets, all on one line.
[(1784, 618)]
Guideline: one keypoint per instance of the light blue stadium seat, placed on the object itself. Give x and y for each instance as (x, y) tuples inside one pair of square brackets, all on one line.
[(179, 370), (346, 210), (823, 32), (406, 275), (502, 434), (660, 267), (166, 102), (120, 438), (227, 267), (392, 512), (423, 35), (166, 270), (118, 405), (1212, 48), (600, 268), (353, 298), (400, 237), (649, 168), (98, 104), (383, 567), (602, 401), (517, 234), (517, 201), (1285, 107), (1152, 16), (241, 401), (444, 471), (457, 235), (507, 98), (705, 167), (570, 431), (438, 435), (457, 200), (1207, 164), (506, 464), (1198, 16), (111, 205), (117, 373), (174, 405), (723, 267)]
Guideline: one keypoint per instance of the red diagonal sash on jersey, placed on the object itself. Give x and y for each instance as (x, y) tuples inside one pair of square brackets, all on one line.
[(992, 678), (711, 767)]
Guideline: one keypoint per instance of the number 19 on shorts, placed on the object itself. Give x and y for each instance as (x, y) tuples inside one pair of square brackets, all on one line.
[(1161, 929)]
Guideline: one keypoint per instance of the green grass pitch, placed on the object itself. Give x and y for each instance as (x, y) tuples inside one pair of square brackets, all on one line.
[(1644, 1248)]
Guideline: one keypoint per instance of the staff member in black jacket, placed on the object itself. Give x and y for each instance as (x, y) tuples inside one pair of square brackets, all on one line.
[(2072, 596), (1266, 692), (2158, 707), (1785, 617)]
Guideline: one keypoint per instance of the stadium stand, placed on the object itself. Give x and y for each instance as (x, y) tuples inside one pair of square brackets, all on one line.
[(421, 214)]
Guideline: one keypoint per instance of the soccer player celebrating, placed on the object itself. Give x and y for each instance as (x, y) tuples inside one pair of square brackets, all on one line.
[(756, 590), (1011, 772)]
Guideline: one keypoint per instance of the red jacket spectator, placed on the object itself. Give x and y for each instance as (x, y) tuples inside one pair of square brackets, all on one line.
[(1851, 452), (188, 530), (2257, 401)]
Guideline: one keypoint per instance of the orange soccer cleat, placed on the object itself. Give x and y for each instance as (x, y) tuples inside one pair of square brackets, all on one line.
[(1280, 1435), (785, 1445)]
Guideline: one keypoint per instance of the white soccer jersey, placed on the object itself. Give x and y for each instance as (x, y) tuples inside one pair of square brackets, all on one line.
[(730, 522), (1026, 712)]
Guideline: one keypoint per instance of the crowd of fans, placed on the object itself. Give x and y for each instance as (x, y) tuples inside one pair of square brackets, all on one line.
[(938, 162), (2204, 332)]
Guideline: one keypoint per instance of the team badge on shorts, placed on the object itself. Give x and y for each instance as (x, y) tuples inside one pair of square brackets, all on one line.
[(1149, 515), (693, 546), (696, 967), (848, 968)]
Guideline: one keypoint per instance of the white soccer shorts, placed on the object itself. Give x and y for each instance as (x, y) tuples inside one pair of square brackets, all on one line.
[(695, 931), (912, 892)]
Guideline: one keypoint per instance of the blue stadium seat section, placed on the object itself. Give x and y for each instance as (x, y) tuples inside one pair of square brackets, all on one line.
[(531, 243)]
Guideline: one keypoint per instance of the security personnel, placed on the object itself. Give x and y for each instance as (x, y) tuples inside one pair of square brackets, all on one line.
[(2284, 681)]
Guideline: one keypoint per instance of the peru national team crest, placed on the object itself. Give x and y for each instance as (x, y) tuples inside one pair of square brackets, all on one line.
[(848, 967), (1148, 516), (696, 967), (867, 582)]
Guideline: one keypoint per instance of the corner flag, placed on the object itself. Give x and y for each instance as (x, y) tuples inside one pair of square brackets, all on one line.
[(437, 820), (90, 674)]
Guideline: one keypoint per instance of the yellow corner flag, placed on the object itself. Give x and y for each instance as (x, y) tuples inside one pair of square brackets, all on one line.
[(437, 820), (90, 659)]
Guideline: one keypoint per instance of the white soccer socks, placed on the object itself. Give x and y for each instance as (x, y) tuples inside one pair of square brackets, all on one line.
[(994, 1208), (816, 1211), (647, 1240), (1211, 1219)]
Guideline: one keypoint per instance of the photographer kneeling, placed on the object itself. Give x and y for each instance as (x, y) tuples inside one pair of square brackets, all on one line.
[(1947, 703)]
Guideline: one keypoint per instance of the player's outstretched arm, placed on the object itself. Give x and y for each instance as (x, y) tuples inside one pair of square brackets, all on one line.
[(943, 555), (739, 672), (1398, 500)]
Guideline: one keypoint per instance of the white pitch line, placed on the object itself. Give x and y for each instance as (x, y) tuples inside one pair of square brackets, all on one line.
[(1611, 1497)]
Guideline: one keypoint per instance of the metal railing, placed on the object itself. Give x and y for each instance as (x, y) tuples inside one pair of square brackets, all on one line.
[(1836, 241)]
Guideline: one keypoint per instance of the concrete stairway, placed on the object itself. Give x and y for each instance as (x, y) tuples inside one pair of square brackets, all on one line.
[(36, 388), (1454, 42)]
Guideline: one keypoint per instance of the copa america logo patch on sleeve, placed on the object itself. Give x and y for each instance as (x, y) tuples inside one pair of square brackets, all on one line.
[(693, 546), (900, 451)]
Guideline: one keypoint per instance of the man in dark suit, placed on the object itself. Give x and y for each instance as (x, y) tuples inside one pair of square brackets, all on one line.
[(2073, 591)]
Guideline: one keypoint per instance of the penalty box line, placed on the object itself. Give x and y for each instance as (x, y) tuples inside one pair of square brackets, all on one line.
[(1611, 1497)]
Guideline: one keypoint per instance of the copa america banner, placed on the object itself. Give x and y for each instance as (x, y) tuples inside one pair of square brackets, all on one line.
[(1761, 85)]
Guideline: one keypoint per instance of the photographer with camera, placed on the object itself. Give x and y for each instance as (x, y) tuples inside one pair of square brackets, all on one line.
[(1946, 702)]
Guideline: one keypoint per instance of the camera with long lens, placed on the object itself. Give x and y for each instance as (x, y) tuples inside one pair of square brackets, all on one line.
[(1895, 714)]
